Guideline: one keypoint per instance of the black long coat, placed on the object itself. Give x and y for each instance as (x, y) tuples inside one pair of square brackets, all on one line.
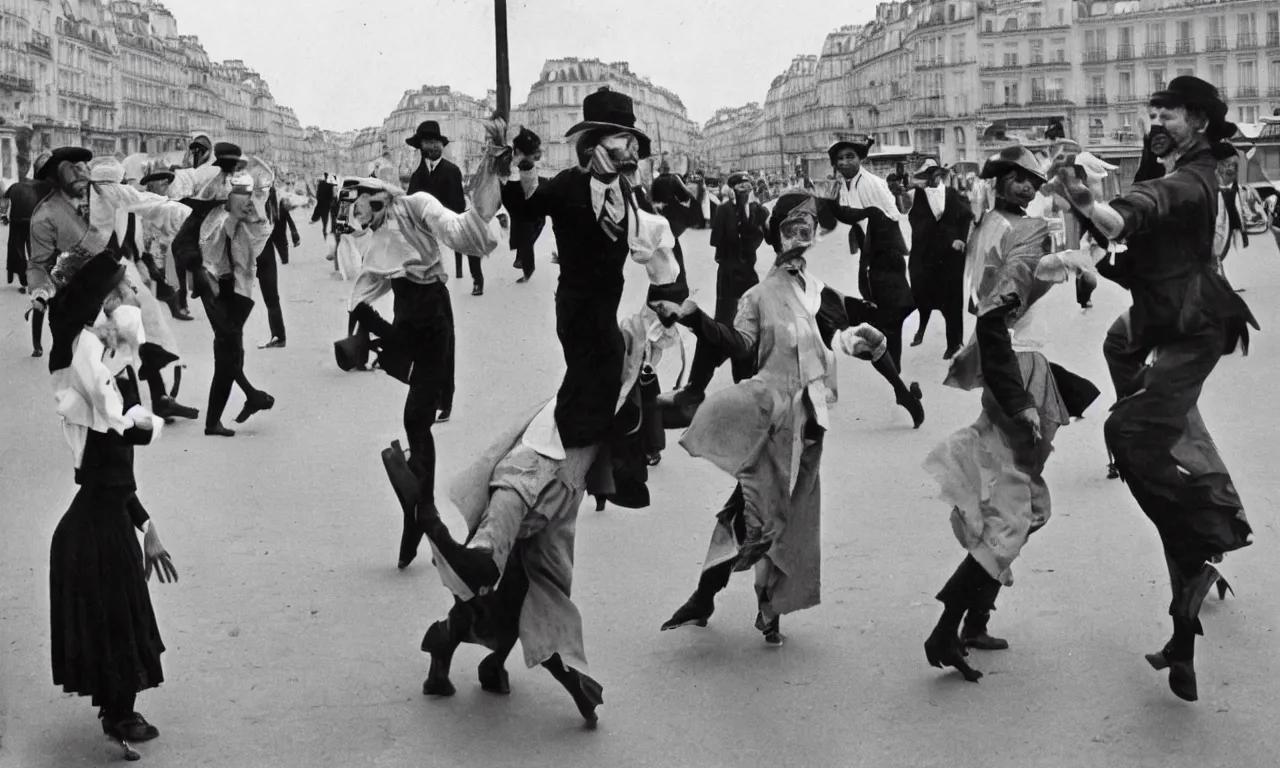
[(882, 264), (937, 269), (444, 184)]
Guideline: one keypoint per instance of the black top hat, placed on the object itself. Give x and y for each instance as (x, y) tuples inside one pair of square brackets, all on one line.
[(157, 176), (59, 156), (428, 129), (609, 109), (862, 147)]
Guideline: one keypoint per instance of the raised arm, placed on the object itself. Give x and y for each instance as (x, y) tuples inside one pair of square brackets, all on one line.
[(466, 233)]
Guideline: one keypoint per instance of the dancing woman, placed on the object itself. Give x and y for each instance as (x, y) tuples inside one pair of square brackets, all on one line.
[(104, 640)]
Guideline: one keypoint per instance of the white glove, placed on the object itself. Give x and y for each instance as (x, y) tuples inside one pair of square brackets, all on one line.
[(862, 341), (141, 417)]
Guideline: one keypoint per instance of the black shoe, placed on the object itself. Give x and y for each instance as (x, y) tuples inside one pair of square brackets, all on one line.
[(523, 279), (131, 728), (217, 430), (477, 290), (981, 641), (275, 343), (950, 353), (1113, 472), (444, 415), (168, 409), (912, 403), (918, 340), (181, 313), (493, 676), (474, 566), (944, 649), (653, 459), (1224, 588), (258, 401), (771, 630), (37, 352), (694, 613), (1182, 674), (600, 502), (22, 289)]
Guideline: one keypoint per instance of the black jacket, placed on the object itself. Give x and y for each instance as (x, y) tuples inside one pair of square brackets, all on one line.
[(525, 227), (445, 184)]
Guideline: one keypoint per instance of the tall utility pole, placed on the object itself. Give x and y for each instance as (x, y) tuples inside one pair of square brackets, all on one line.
[(503, 61)]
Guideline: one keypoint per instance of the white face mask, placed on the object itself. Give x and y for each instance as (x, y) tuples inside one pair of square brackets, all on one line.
[(126, 320)]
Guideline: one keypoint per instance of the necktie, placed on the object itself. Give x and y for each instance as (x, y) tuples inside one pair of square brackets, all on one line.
[(612, 229)]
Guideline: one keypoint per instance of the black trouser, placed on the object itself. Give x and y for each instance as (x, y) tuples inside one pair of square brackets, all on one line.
[(524, 254), (227, 314), (268, 281), (475, 267), (19, 246), (888, 320), (37, 329), (953, 315), (732, 281), (1084, 289)]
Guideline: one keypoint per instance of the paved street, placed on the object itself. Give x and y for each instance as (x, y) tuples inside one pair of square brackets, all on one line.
[(293, 640)]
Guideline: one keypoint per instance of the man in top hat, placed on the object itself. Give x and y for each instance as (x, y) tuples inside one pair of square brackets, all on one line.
[(439, 177), (22, 199), (525, 230), (940, 223), (1185, 312), (599, 218)]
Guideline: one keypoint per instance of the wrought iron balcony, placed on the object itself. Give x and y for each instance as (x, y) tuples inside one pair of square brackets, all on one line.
[(1247, 92), (1246, 41), (1124, 52), (40, 44), (1185, 46), (1273, 39), (1212, 44), (935, 62), (1096, 100), (1095, 56), (1273, 92), (15, 83), (1155, 50), (1000, 67)]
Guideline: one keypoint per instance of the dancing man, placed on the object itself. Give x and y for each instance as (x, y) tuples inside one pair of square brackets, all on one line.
[(1185, 312), (767, 431), (991, 473)]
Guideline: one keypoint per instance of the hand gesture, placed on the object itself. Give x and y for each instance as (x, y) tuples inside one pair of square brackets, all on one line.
[(157, 558), (297, 241), (670, 313), (958, 245), (38, 304), (1030, 418)]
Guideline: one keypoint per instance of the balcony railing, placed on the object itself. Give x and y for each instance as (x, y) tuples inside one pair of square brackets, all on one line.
[(1095, 56), (1096, 100), (1246, 40), (1273, 92), (1154, 50), (1124, 136), (1273, 39), (1212, 44), (41, 44), (1124, 52), (993, 67), (1247, 92), (15, 83), (932, 63), (1184, 47), (1048, 97)]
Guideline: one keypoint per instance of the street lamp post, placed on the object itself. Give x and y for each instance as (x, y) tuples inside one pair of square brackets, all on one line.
[(503, 62)]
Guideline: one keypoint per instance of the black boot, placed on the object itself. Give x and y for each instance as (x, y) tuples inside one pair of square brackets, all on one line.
[(943, 647), (907, 397), (697, 610), (587, 693), (440, 641), (1178, 656), (974, 632), (258, 401), (474, 566)]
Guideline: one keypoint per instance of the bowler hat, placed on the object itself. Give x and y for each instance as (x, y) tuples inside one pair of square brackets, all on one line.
[(227, 155), (428, 129), (58, 157), (610, 109), (1016, 157), (1192, 93), (861, 146)]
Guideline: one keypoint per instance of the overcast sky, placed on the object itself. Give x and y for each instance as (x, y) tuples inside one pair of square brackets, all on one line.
[(344, 64)]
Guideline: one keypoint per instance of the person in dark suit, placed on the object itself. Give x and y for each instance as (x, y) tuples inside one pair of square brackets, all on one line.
[(325, 200), (525, 230), (940, 222), (267, 277), (594, 213), (23, 197), (439, 177)]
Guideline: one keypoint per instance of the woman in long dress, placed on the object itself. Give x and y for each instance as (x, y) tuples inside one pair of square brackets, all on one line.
[(104, 640)]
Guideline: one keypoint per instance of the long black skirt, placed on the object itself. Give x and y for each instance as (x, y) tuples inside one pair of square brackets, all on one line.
[(105, 642)]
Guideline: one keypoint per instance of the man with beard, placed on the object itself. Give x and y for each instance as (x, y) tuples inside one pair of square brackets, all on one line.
[(23, 198), (526, 230), (401, 240), (1185, 313), (940, 222), (439, 177), (598, 219)]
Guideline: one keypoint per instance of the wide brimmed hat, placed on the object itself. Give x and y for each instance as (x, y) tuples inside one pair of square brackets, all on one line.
[(1191, 92), (930, 166), (428, 129), (609, 109), (1223, 150), (157, 176), (861, 146), (1016, 157), (227, 154), (58, 157), (737, 177)]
